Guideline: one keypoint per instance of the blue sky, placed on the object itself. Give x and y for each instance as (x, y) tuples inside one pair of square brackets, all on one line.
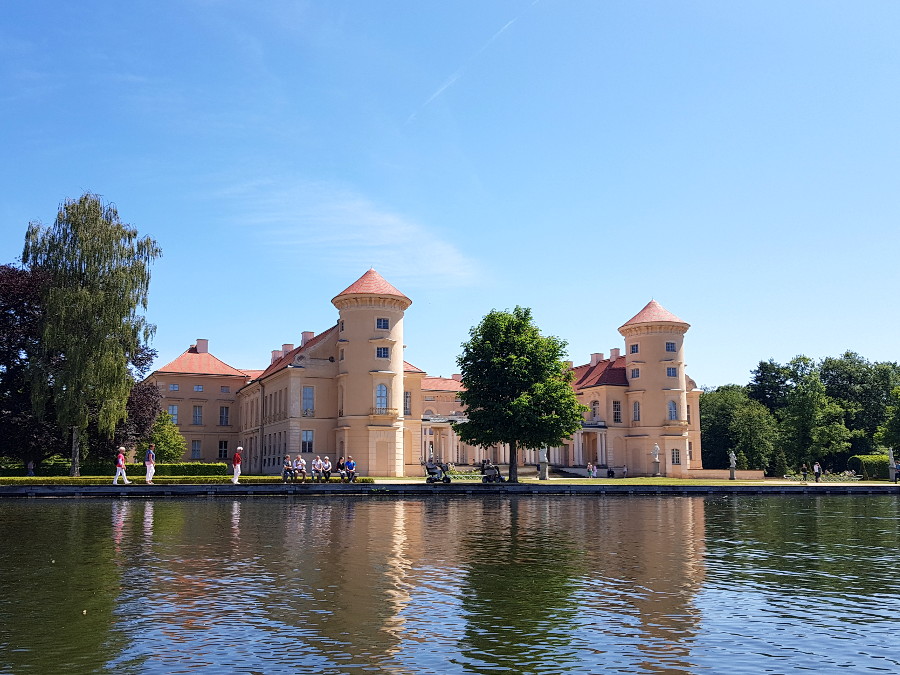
[(738, 162)]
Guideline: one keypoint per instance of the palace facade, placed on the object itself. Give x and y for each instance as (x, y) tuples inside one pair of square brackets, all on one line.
[(349, 391)]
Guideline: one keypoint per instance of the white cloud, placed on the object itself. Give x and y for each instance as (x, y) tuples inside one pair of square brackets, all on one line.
[(334, 227)]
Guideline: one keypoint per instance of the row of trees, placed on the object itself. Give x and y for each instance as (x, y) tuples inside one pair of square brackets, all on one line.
[(74, 341), (802, 412)]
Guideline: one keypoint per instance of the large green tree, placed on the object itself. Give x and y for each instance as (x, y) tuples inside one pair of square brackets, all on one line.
[(99, 276), (517, 387), (731, 421), (23, 436), (170, 444)]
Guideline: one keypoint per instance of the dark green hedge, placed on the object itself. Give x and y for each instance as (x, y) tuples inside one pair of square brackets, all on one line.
[(131, 469), (869, 466)]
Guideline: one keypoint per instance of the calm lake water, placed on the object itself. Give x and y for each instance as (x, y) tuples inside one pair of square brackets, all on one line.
[(451, 585)]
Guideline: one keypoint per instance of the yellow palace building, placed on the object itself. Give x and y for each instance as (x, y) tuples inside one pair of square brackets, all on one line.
[(348, 391)]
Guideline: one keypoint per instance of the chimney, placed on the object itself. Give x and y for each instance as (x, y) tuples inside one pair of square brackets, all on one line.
[(596, 358), (286, 348), (457, 377), (306, 336), (613, 353), (202, 346), (276, 355)]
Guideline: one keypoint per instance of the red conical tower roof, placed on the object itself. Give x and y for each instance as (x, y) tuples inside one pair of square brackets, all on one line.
[(372, 283), (653, 312)]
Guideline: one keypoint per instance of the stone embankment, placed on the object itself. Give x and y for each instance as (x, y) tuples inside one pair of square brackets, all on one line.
[(419, 489)]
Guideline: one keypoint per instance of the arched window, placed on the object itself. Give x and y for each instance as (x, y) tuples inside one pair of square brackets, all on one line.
[(673, 410), (381, 397), (636, 411), (595, 410)]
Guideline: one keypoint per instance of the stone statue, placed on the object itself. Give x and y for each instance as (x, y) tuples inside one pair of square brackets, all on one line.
[(732, 460), (655, 452)]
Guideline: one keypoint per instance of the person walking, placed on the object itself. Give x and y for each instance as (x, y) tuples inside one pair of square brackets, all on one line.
[(804, 471), (150, 463), (817, 471), (120, 468), (236, 464)]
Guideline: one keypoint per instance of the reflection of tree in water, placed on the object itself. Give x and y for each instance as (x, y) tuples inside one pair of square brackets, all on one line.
[(811, 542), (57, 601), (521, 577)]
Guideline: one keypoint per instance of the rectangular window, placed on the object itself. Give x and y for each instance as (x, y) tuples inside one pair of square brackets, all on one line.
[(173, 387), (342, 326), (617, 411), (225, 390), (198, 387), (671, 372), (198, 415), (342, 355), (636, 411), (382, 324), (309, 401), (173, 413), (306, 440), (689, 421), (690, 450), (676, 456), (407, 403), (635, 373), (196, 453), (670, 346), (634, 349), (223, 449), (224, 415), (383, 352)]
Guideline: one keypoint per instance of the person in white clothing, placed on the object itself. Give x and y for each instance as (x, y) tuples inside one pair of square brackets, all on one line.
[(150, 463), (236, 463), (120, 468)]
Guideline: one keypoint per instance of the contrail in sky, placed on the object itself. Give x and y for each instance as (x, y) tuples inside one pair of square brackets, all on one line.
[(455, 76)]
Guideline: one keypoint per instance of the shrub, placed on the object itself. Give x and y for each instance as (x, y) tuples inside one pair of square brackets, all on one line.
[(869, 466)]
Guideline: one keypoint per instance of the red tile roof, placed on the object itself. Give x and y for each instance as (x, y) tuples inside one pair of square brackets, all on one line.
[(371, 283), (605, 372), (410, 368), (441, 384), (288, 358), (193, 362), (653, 312)]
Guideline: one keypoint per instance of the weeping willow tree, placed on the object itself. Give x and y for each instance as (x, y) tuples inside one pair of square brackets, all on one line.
[(99, 276)]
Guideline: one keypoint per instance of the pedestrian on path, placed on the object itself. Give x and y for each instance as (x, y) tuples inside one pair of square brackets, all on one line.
[(817, 471), (150, 463), (120, 468), (236, 464), (804, 471)]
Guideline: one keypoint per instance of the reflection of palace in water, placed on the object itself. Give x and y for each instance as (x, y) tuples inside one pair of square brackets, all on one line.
[(371, 580), (347, 390)]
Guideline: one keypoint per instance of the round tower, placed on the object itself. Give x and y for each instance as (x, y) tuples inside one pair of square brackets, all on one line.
[(370, 374), (657, 390)]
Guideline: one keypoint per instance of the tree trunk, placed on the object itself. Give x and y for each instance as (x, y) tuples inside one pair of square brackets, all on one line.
[(513, 463), (75, 470)]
